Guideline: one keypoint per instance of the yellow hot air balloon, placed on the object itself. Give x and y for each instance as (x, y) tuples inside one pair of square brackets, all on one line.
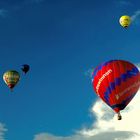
[(125, 21), (11, 78)]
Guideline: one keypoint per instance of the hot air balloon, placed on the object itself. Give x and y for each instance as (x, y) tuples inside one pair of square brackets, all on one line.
[(25, 68), (11, 78), (116, 82), (125, 21)]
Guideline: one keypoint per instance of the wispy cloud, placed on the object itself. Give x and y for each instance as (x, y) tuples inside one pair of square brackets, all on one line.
[(17, 5), (138, 65), (124, 3), (36, 1), (3, 13), (135, 16), (106, 125), (89, 72), (3, 130)]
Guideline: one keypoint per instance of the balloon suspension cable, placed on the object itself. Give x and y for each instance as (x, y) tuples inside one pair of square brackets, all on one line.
[(11, 89), (119, 116)]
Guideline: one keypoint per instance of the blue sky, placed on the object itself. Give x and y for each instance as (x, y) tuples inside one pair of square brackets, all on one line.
[(60, 40)]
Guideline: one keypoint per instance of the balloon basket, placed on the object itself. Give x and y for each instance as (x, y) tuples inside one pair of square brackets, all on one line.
[(119, 116)]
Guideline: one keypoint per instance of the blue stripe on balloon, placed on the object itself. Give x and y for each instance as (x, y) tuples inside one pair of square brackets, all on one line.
[(124, 103), (112, 86), (108, 91), (118, 81), (124, 77), (100, 67)]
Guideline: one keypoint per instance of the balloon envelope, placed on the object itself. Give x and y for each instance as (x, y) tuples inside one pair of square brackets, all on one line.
[(116, 83), (11, 78), (25, 68), (125, 21)]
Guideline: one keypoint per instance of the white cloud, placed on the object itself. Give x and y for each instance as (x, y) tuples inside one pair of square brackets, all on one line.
[(107, 122), (106, 125), (135, 16), (102, 136), (3, 13), (2, 131)]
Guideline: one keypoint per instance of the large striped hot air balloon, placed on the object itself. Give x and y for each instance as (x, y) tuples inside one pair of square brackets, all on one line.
[(11, 78), (116, 82)]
